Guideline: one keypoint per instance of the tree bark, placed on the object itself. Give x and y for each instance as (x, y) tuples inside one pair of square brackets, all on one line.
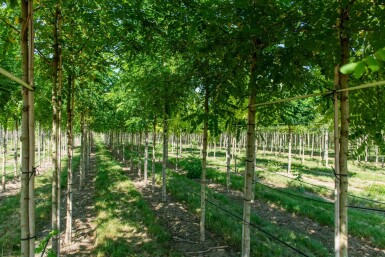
[(39, 144), (165, 151), (4, 165), (82, 150), (336, 167), (15, 150), (326, 148), (140, 155), (180, 144), (204, 160), (344, 132), (249, 170), (228, 159), (303, 149), (27, 198), (70, 107), (132, 153), (312, 145), (55, 133), (289, 151), (146, 156), (153, 154)]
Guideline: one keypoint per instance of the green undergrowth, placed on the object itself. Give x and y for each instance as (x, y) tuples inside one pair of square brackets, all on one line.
[(230, 228), (10, 209), (126, 225), (361, 223)]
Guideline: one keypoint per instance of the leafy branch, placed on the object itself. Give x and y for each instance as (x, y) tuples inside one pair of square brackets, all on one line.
[(373, 62)]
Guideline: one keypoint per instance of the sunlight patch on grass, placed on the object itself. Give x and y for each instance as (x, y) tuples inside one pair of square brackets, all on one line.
[(126, 224)]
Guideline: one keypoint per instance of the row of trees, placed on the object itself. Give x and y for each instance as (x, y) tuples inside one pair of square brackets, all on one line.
[(191, 65)]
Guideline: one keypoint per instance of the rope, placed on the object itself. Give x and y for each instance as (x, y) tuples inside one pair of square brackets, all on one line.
[(255, 226), (329, 189), (374, 84), (295, 195), (312, 199), (320, 201), (28, 238)]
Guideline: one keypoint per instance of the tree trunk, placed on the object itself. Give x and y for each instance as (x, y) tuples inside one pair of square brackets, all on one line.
[(344, 131), (140, 155), (153, 154), (39, 145), (254, 173), (204, 160), (70, 107), (4, 165), (312, 145), (180, 144), (132, 153), (300, 146), (366, 150), (82, 150), (146, 155), (326, 148), (249, 170), (123, 146), (289, 152), (165, 151), (15, 150), (88, 144), (228, 159), (303, 149), (336, 166), (55, 136), (27, 198)]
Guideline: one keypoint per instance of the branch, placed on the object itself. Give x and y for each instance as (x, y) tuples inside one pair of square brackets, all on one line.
[(10, 25), (43, 57)]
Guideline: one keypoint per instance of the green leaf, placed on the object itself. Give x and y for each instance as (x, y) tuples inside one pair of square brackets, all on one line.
[(372, 63), (348, 68), (380, 55), (360, 70)]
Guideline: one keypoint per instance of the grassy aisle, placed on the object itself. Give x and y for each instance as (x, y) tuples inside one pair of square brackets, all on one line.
[(126, 225), (10, 210), (363, 224)]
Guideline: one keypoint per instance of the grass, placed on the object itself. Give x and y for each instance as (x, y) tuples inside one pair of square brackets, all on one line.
[(361, 223), (230, 228), (126, 225), (10, 210)]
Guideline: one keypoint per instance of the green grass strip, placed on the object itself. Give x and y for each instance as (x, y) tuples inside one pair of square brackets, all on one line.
[(361, 223), (126, 225), (10, 209)]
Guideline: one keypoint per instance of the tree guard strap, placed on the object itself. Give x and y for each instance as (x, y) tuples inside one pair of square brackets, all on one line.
[(28, 238), (337, 176)]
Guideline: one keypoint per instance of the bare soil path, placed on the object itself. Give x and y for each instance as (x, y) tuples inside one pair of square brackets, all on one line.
[(300, 224), (13, 186), (181, 224), (84, 214)]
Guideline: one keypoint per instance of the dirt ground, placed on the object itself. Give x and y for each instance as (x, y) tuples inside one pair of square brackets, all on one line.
[(84, 228), (182, 225)]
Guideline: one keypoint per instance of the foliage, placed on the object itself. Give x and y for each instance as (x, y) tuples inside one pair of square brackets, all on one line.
[(273, 166), (376, 189), (193, 166), (41, 248), (371, 63)]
